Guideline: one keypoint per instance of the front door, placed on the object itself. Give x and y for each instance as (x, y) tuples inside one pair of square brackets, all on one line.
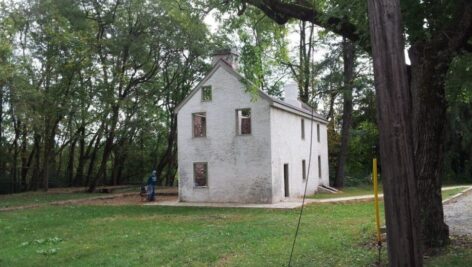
[(286, 180)]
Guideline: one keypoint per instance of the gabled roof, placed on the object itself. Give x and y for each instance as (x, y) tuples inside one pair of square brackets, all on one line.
[(305, 110)]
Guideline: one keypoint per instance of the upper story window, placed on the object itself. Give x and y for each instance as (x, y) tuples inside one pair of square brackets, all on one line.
[(303, 129), (199, 124), (318, 132), (206, 93), (243, 121)]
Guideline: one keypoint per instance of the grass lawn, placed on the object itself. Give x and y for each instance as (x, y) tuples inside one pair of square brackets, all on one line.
[(348, 192), (450, 192), (368, 190), (33, 198), (330, 235)]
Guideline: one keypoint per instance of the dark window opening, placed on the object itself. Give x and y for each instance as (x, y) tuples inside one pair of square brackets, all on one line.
[(200, 173), (206, 93), (318, 132), (303, 129), (304, 169), (243, 121), (319, 167), (199, 124)]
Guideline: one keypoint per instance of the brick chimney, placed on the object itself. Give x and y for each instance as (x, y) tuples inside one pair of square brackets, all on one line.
[(291, 94), (229, 55)]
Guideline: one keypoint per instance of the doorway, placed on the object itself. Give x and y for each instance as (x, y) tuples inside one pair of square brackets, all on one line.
[(286, 188)]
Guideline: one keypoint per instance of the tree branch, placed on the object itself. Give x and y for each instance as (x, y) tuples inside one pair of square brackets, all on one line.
[(281, 11)]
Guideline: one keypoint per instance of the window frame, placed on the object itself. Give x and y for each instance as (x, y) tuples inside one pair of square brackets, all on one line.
[(193, 124), (194, 174), (203, 93), (238, 130)]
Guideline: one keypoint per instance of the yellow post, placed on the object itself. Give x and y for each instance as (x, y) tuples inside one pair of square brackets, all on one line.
[(376, 198)]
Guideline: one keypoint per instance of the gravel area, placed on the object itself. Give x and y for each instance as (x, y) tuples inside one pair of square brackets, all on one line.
[(458, 214)]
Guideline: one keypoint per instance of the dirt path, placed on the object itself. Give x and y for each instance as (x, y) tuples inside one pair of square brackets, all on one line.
[(128, 198), (458, 214)]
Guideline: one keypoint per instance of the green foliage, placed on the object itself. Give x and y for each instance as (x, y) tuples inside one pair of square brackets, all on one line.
[(458, 164), (363, 137), (116, 69), (263, 49)]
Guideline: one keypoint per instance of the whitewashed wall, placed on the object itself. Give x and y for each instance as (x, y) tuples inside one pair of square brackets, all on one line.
[(238, 166), (288, 147)]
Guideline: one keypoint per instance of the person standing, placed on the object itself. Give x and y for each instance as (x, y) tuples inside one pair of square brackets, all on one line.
[(151, 184)]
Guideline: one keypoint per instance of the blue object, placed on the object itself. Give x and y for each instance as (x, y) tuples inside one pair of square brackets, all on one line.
[(151, 185)]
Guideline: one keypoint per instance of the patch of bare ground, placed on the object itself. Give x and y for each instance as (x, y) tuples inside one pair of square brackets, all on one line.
[(133, 199)]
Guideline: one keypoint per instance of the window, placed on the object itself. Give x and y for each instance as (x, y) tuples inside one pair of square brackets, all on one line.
[(304, 169), (243, 121), (199, 124), (303, 129), (206, 93), (200, 174), (319, 167), (318, 132)]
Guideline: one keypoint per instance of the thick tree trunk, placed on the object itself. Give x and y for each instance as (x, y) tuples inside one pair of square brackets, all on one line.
[(396, 153), (349, 60), (428, 70)]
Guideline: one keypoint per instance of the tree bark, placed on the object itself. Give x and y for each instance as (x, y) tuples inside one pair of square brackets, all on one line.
[(349, 60), (396, 153), (428, 70)]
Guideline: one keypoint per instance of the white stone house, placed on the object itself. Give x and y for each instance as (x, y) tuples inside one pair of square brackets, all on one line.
[(235, 147)]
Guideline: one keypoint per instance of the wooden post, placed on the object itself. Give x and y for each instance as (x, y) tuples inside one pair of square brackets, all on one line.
[(396, 150)]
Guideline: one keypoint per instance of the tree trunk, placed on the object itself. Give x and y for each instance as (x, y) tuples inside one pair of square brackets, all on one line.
[(48, 152), (25, 161), (101, 174), (396, 153), (93, 157), (79, 175), (37, 161), (14, 171), (70, 164), (428, 70), (349, 60), (170, 152)]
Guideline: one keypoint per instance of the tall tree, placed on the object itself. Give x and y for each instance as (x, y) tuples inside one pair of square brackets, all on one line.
[(394, 104), (433, 46), (348, 86)]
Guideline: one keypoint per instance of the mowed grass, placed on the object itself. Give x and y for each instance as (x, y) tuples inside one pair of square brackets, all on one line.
[(368, 190), (39, 198), (451, 192), (330, 235), (348, 192)]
